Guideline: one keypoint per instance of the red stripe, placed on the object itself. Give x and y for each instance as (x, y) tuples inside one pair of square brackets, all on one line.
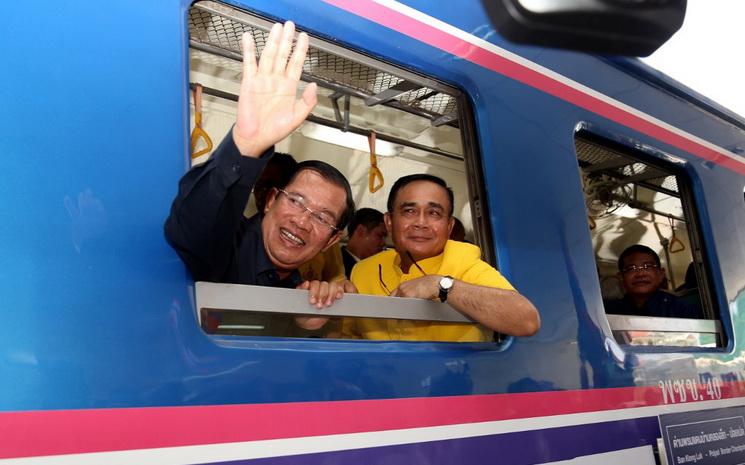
[(55, 432), (447, 42)]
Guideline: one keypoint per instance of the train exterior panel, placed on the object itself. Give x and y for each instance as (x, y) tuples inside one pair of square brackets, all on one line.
[(103, 360)]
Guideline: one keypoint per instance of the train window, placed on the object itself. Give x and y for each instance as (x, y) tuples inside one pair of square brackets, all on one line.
[(420, 126), (645, 235)]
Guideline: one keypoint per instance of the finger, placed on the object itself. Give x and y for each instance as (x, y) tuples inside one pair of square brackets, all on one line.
[(336, 292), (295, 66), (396, 292), (323, 294), (285, 45), (305, 285), (305, 105), (249, 55), (350, 287), (313, 287), (266, 60)]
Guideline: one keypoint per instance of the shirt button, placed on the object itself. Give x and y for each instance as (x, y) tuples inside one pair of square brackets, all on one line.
[(236, 168)]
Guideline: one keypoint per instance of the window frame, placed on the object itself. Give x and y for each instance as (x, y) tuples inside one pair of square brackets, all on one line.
[(686, 183), (227, 297)]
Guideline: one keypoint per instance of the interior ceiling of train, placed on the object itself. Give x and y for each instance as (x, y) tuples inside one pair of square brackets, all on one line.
[(613, 181), (415, 119), (354, 94)]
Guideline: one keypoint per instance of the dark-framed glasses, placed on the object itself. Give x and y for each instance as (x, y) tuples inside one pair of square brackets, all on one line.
[(298, 203), (642, 267)]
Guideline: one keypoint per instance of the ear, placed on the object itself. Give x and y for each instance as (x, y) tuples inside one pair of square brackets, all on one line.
[(388, 224), (336, 237), (270, 198)]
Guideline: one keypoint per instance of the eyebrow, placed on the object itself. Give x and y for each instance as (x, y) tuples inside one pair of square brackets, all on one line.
[(323, 210), (415, 204)]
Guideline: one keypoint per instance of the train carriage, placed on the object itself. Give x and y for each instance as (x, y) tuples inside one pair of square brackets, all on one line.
[(558, 160)]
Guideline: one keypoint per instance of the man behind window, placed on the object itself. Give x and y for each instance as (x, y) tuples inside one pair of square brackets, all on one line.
[(426, 265), (367, 235), (206, 225), (642, 278)]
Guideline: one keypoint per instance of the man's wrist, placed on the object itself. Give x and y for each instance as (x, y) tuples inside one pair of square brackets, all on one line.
[(445, 285), (246, 147)]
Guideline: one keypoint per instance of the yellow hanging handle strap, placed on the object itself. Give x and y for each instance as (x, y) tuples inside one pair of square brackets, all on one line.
[(674, 240), (198, 132), (375, 173)]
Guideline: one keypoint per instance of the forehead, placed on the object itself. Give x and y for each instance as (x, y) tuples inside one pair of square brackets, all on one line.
[(422, 193), (638, 258), (318, 191)]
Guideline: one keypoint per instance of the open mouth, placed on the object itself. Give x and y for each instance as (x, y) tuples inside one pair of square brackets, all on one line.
[(291, 237)]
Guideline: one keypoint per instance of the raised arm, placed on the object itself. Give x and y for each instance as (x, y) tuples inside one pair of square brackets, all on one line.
[(501, 310), (208, 210)]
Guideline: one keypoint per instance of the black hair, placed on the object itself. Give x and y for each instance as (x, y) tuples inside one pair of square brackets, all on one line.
[(287, 166), (405, 180), (637, 248), (277, 173), (334, 176), (368, 217)]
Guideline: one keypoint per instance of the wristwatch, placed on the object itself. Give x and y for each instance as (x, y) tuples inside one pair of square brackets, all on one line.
[(446, 283)]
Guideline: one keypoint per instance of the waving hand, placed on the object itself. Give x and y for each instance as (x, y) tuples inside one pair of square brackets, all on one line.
[(268, 110)]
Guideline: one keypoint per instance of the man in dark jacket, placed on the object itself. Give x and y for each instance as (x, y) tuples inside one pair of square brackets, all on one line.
[(206, 225), (642, 277)]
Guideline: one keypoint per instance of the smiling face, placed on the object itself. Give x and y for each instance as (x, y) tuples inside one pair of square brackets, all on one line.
[(640, 283), (291, 236), (420, 221)]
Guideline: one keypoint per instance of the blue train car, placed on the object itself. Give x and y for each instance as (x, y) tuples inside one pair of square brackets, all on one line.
[(558, 159)]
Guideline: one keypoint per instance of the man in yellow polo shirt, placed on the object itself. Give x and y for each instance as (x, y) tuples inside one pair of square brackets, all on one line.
[(426, 265)]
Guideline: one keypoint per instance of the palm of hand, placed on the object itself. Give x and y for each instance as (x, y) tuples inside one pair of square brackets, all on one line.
[(268, 109), (267, 113)]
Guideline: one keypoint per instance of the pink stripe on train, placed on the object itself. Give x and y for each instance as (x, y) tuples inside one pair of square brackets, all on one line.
[(449, 42), (55, 432)]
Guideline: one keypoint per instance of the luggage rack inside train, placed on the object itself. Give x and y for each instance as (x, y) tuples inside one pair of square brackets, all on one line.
[(216, 29)]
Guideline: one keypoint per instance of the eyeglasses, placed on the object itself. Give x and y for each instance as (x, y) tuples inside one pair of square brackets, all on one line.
[(380, 272), (645, 267), (297, 202)]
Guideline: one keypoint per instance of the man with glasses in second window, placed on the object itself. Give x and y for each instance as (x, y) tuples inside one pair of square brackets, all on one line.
[(206, 225), (642, 276), (425, 264)]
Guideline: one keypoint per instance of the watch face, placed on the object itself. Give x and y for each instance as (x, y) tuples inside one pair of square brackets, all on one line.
[(446, 282)]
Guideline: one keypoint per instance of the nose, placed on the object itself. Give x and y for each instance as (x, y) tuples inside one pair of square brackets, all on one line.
[(421, 219), (302, 220)]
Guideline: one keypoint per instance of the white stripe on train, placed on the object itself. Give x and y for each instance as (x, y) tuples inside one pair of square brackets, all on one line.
[(491, 48), (317, 444)]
